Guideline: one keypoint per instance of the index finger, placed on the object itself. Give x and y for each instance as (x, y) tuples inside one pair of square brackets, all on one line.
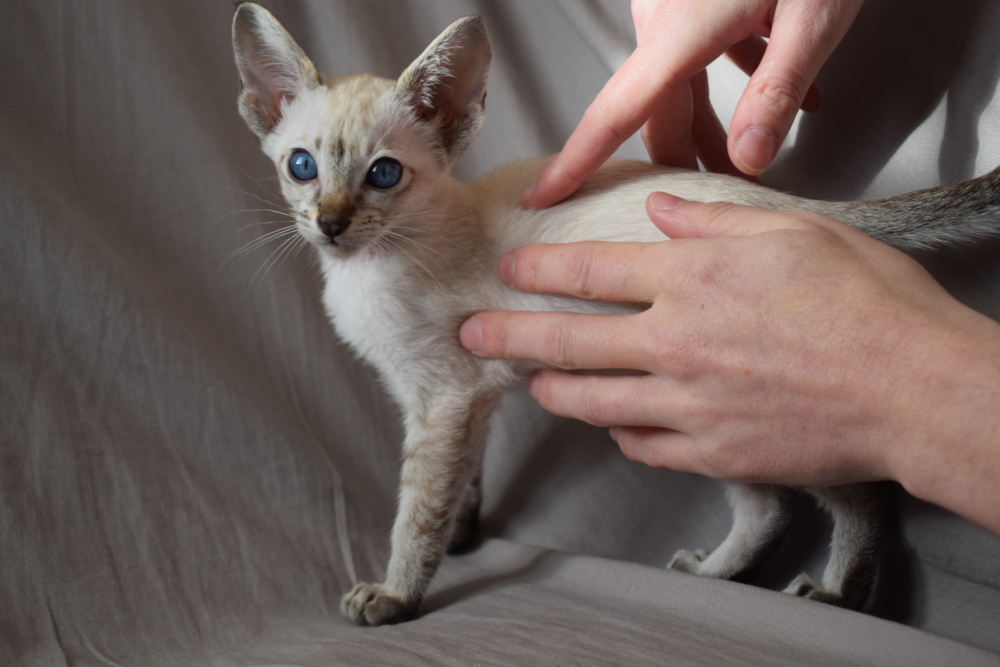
[(617, 113)]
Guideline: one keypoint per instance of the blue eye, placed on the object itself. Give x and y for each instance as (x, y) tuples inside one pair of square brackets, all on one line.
[(302, 165), (384, 173)]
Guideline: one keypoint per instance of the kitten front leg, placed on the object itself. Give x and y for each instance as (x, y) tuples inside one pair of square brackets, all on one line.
[(466, 528), (442, 452)]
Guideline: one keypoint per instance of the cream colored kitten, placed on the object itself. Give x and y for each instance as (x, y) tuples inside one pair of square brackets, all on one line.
[(408, 253)]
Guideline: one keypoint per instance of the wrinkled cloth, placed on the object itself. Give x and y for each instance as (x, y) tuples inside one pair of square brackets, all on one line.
[(193, 469)]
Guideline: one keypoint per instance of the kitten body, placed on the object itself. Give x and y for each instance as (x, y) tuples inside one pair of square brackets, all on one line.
[(405, 265)]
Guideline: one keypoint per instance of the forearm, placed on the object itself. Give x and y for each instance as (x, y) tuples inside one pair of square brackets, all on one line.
[(952, 457)]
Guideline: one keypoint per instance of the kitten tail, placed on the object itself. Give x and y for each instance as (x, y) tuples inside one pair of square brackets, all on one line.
[(950, 214)]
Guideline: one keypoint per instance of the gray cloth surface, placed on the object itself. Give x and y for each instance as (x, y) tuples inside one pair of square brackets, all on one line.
[(193, 469)]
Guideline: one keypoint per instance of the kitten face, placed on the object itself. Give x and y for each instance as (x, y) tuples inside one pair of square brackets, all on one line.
[(358, 157), (368, 164)]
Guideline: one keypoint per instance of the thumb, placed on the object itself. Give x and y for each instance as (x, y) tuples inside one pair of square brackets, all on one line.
[(803, 36), (679, 218)]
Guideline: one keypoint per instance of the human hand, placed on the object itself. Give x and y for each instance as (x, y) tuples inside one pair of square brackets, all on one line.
[(663, 89), (779, 347)]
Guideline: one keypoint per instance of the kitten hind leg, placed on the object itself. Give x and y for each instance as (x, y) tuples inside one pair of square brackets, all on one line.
[(762, 514), (859, 516)]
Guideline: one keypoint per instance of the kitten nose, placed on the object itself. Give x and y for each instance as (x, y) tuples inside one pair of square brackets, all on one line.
[(331, 226)]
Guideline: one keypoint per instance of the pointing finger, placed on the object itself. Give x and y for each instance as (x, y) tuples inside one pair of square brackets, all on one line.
[(654, 69)]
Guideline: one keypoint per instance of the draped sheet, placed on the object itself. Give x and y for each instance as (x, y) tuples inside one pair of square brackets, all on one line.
[(193, 469)]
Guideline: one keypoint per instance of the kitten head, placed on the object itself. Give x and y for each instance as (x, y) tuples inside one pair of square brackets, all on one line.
[(356, 154)]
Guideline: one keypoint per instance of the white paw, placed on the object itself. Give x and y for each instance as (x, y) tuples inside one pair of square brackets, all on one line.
[(369, 604), (803, 586), (688, 561)]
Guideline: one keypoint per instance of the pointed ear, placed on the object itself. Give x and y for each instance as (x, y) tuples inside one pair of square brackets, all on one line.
[(446, 85), (273, 69)]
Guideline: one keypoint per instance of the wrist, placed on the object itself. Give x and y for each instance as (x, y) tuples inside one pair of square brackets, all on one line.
[(947, 453)]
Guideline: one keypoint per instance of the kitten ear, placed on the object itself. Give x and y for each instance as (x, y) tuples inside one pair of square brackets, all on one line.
[(273, 69), (446, 85)]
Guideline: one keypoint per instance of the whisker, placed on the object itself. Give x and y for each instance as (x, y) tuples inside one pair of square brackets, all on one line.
[(286, 253), (270, 235), (290, 215), (423, 246), (443, 238), (426, 247), (257, 197), (256, 224), (261, 241), (416, 261), (257, 181), (382, 243), (299, 247), (267, 265)]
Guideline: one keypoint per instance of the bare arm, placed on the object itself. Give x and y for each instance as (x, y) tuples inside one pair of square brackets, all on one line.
[(780, 347)]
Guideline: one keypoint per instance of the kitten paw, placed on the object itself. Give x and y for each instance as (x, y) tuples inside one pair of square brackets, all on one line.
[(369, 604), (688, 561), (804, 587)]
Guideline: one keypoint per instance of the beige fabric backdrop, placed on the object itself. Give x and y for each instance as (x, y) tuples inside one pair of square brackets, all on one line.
[(192, 468)]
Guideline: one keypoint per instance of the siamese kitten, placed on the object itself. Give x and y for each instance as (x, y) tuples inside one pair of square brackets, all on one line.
[(408, 253)]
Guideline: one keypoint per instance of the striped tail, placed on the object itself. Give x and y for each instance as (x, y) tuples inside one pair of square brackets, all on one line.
[(946, 215)]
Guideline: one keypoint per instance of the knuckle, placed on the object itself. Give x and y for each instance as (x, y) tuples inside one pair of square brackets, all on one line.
[(595, 407), (719, 218), (495, 336), (524, 272), (612, 128), (581, 271), (677, 351), (782, 96), (558, 346), (719, 209), (699, 266), (659, 343)]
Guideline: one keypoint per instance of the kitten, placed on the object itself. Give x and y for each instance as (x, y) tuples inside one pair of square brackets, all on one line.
[(408, 253)]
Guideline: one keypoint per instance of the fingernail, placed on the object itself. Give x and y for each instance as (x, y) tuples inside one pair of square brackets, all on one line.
[(471, 334), (536, 379), (505, 269), (664, 202), (755, 148), (613, 432)]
